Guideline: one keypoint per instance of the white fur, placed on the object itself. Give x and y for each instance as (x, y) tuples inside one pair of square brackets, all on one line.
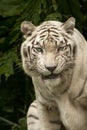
[(60, 96)]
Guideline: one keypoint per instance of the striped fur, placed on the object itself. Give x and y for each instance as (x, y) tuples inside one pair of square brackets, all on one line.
[(33, 118), (54, 54)]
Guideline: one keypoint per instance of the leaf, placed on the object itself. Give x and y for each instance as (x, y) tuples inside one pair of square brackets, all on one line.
[(54, 4), (6, 63), (54, 16), (7, 121), (21, 125), (6, 67), (3, 29), (11, 7)]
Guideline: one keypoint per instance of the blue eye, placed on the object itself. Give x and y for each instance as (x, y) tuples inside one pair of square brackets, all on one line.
[(63, 48), (38, 49)]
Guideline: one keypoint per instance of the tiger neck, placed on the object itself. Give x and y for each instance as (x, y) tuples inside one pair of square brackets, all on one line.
[(49, 90)]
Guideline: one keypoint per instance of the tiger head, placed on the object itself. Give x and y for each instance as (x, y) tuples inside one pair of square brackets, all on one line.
[(49, 50)]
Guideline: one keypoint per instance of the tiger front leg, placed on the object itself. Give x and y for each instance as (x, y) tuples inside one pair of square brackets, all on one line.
[(41, 118), (49, 118), (33, 122)]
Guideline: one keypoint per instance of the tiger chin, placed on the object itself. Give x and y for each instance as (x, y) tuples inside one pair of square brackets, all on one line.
[(54, 55)]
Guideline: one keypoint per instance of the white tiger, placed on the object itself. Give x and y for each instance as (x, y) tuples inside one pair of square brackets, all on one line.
[(54, 54)]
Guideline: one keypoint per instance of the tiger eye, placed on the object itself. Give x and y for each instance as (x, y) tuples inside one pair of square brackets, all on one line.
[(38, 49), (63, 48)]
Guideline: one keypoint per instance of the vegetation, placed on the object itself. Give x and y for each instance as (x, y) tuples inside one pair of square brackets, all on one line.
[(16, 89)]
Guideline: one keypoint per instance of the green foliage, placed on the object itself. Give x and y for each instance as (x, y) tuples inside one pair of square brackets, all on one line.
[(6, 62), (11, 7), (16, 91), (21, 125)]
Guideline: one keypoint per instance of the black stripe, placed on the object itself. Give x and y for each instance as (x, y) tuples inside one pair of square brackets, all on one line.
[(62, 127), (25, 52), (29, 50), (42, 36), (42, 28), (32, 38), (74, 50), (66, 41), (29, 53), (55, 28), (55, 35), (34, 106), (54, 31), (43, 32), (31, 123), (57, 122), (33, 116), (32, 42), (66, 36)]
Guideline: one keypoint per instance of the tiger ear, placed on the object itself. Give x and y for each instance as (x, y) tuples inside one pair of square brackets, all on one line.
[(69, 25), (27, 28)]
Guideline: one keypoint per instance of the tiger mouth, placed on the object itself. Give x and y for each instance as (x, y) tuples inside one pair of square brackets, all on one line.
[(51, 76)]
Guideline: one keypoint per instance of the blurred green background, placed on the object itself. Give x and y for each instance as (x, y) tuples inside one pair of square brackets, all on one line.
[(16, 89)]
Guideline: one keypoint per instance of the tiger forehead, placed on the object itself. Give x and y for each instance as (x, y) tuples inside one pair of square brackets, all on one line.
[(47, 27), (49, 33), (48, 37), (49, 30)]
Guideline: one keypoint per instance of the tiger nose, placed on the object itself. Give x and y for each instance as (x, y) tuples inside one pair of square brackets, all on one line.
[(51, 68)]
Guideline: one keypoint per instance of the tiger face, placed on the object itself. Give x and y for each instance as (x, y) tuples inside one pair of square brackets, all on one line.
[(48, 50)]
